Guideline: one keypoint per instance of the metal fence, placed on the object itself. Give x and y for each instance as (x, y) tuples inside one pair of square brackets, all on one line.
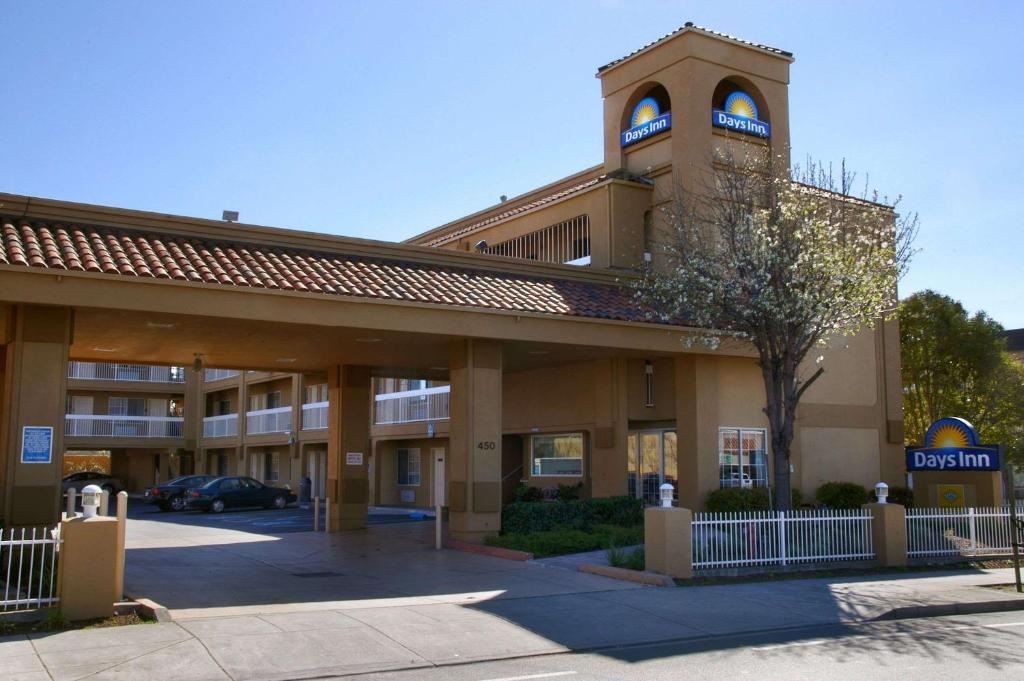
[(109, 371), (105, 425), (959, 531), (567, 242), (427, 404), (780, 538), (210, 375), (28, 568)]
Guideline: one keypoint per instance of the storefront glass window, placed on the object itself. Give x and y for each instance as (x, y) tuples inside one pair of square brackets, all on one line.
[(557, 454), (742, 457), (409, 467)]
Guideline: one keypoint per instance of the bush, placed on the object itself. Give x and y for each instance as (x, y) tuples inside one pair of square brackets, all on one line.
[(626, 558), (578, 514), (735, 499), (842, 495), (570, 492), (902, 496), (525, 493), (563, 540)]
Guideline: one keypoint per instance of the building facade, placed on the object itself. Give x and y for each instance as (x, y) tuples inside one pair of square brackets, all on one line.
[(498, 348)]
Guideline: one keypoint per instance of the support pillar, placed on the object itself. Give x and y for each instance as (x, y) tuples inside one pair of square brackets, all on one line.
[(348, 447), (696, 382), (35, 369), (474, 492), (668, 541), (889, 534)]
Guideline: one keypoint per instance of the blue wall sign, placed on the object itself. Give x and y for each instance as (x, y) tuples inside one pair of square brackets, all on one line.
[(37, 444), (951, 444), (647, 120), (740, 114)]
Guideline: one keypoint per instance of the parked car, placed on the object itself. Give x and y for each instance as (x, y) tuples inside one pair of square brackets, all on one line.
[(237, 492), (80, 480), (170, 495)]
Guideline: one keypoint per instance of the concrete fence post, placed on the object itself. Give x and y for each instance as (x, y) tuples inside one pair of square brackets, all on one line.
[(71, 502), (668, 541), (889, 533), (122, 523), (104, 503), (87, 568)]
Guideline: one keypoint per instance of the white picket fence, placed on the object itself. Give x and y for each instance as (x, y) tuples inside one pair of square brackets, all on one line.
[(780, 538), (959, 531), (28, 568)]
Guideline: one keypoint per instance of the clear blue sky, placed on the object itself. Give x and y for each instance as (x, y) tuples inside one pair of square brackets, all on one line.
[(384, 119)]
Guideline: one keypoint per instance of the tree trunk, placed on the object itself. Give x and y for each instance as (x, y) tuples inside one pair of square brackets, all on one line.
[(779, 390)]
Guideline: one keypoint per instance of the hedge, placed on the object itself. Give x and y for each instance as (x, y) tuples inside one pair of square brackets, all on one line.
[(578, 514)]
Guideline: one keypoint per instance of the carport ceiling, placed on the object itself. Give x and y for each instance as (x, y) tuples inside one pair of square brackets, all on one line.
[(111, 335)]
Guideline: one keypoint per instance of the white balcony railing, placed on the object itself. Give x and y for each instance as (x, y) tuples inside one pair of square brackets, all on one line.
[(277, 420), (106, 371), (314, 415), (103, 425), (225, 425), (218, 374), (427, 404)]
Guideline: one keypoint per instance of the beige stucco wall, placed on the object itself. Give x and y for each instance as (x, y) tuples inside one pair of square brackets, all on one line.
[(838, 454)]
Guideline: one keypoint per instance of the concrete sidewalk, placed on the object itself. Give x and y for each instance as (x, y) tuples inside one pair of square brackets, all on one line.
[(387, 634)]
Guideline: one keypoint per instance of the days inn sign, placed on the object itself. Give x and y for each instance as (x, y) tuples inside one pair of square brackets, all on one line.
[(951, 444), (646, 121)]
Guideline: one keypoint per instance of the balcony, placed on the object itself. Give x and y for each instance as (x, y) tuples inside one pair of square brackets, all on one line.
[(210, 375), (314, 415), (409, 406), (104, 425), (104, 371), (262, 421), (220, 426)]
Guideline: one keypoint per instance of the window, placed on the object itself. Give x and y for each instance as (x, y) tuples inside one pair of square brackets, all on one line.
[(557, 454), (126, 406), (223, 407), (316, 393), (409, 467), (271, 466), (742, 457), (274, 399), (652, 461)]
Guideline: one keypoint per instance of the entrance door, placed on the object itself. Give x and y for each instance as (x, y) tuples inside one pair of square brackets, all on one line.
[(317, 471), (653, 461)]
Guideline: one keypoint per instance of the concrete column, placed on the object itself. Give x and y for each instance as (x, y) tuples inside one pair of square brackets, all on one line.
[(889, 533), (348, 447), (474, 490), (668, 541), (696, 383), (608, 449), (35, 369)]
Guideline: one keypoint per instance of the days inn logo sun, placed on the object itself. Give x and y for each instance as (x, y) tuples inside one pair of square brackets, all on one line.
[(646, 110), (952, 433), (741, 104)]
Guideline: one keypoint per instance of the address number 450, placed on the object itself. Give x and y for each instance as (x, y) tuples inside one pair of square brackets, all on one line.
[(486, 445)]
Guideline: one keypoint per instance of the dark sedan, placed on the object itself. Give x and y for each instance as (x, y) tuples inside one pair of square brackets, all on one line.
[(170, 495), (237, 492)]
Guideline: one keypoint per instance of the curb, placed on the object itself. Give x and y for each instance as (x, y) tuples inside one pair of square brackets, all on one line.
[(483, 550), (635, 576), (947, 609), (153, 610)]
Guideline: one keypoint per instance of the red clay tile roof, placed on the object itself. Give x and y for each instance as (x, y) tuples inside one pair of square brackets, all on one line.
[(516, 210), (137, 253), (690, 26)]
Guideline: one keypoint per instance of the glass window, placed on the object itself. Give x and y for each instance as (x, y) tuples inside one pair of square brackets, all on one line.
[(271, 466), (409, 467), (742, 457), (652, 460), (557, 454), (274, 399)]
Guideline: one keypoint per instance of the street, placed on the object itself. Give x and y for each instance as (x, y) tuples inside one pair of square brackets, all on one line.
[(968, 647)]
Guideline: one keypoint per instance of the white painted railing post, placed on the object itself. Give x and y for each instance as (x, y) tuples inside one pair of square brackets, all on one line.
[(782, 536), (972, 523)]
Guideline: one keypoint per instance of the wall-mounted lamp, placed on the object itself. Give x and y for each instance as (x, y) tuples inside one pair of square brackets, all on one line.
[(197, 363), (648, 383)]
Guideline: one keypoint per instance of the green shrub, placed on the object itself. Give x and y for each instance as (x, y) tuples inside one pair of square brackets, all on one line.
[(902, 496), (579, 514), (736, 499), (525, 493), (563, 540), (842, 495), (798, 498), (570, 492), (631, 559)]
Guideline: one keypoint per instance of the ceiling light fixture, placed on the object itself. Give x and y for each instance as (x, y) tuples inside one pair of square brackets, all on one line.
[(540, 352), (105, 349), (369, 340), (158, 325), (288, 360)]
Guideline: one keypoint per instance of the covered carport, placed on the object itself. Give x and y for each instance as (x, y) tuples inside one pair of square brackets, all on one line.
[(88, 283)]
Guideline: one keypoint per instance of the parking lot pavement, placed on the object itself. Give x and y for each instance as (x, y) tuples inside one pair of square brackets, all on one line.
[(295, 518)]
